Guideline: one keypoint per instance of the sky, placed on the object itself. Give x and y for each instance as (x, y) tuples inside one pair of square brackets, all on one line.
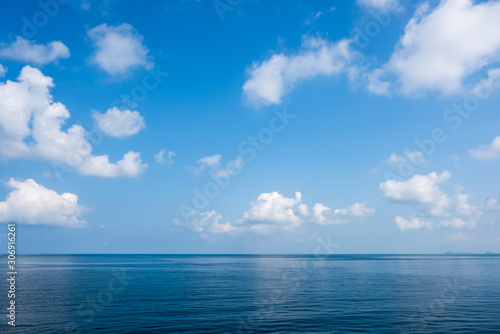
[(244, 126)]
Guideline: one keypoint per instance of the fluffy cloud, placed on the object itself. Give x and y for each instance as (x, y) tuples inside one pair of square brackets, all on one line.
[(319, 213), (161, 160), (131, 165), (118, 49), (437, 208), (487, 153), (272, 78), (30, 127), (32, 203), (274, 208), (30, 52), (418, 189), (272, 212), (441, 47), (325, 215), (413, 223), (207, 222), (117, 123), (355, 210)]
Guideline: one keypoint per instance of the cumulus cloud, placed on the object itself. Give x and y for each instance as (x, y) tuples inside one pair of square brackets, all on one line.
[(325, 215), (119, 49), (30, 127), (487, 153), (271, 79), (437, 208), (355, 210), (272, 212), (162, 160), (419, 189), (28, 51), (319, 212), (117, 123), (275, 208), (32, 203), (131, 165), (443, 46), (413, 223), (207, 222)]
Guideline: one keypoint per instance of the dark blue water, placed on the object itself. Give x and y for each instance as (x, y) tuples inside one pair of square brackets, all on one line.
[(255, 294)]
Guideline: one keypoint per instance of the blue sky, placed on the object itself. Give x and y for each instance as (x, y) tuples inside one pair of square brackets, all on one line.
[(250, 127)]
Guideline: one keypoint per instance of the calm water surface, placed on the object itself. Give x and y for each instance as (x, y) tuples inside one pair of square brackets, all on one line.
[(255, 294)]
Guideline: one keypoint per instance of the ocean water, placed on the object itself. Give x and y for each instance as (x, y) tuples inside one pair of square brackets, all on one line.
[(255, 294)]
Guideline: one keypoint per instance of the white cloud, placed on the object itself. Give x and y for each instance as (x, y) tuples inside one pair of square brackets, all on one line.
[(457, 223), (119, 48), (290, 213), (355, 210), (30, 127), (117, 123), (207, 222), (491, 81), (492, 204), (32, 203), (319, 212), (487, 153), (462, 206), (214, 163), (441, 47), (414, 157), (161, 160), (231, 168), (208, 161), (413, 223), (382, 5), (3, 70), (275, 208), (28, 51), (272, 78), (325, 215), (419, 189), (303, 209), (272, 212), (131, 166), (439, 209)]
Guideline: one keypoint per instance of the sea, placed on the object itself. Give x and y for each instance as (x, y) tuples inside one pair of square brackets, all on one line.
[(254, 294)]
